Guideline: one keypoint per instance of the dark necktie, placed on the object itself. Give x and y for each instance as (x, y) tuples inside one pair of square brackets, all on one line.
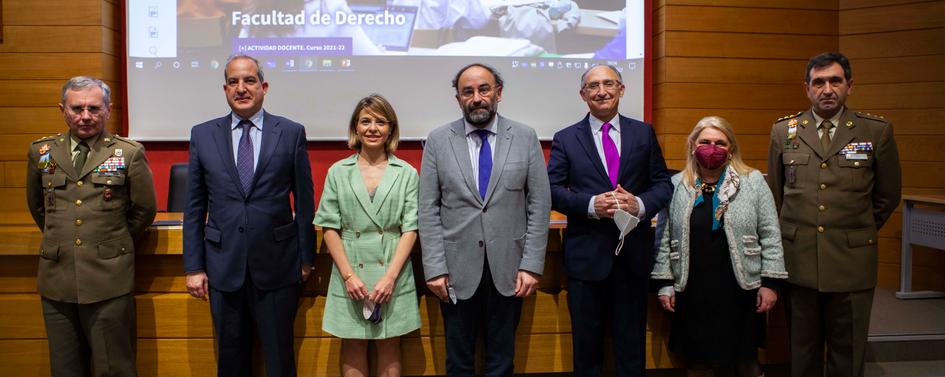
[(485, 162), (80, 158), (244, 156), (610, 154), (825, 135)]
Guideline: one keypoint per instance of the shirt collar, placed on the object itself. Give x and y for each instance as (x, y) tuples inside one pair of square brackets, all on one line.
[(596, 124), (75, 141), (257, 120), (835, 120), (491, 127)]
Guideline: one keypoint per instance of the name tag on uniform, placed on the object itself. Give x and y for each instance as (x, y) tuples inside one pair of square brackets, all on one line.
[(857, 151)]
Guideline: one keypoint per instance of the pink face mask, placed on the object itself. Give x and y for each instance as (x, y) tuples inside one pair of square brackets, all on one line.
[(711, 156)]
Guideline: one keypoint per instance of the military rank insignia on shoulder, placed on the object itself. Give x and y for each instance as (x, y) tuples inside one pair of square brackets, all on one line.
[(878, 118), (789, 116)]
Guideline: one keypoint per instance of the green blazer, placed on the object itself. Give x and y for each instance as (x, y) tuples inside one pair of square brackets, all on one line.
[(370, 229)]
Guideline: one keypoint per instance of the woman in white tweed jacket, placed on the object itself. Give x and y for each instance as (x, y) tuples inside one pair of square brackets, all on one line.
[(719, 253)]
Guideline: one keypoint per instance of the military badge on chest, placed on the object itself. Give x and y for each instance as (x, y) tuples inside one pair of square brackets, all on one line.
[(857, 151), (113, 166)]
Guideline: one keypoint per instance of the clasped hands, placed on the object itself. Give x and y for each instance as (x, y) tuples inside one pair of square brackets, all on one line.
[(606, 203)]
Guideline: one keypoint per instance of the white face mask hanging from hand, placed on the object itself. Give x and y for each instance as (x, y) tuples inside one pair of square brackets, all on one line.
[(625, 223)]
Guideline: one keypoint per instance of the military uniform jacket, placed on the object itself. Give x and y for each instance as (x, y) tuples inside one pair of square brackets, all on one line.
[(832, 203), (88, 218)]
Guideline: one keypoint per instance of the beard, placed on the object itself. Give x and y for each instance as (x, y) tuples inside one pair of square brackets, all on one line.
[(479, 116)]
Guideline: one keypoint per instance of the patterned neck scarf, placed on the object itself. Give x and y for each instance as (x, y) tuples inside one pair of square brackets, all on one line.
[(725, 191)]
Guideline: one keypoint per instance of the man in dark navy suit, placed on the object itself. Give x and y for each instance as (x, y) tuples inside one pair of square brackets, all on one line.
[(601, 164), (250, 254)]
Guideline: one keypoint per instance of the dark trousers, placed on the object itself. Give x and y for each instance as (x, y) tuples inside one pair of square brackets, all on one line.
[(620, 300), (85, 337), (487, 311), (838, 320), (271, 313)]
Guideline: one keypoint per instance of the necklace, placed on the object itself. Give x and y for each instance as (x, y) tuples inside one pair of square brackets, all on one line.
[(707, 187)]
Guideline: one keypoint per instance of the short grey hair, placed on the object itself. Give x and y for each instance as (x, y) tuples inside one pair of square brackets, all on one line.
[(259, 70), (85, 82), (612, 68)]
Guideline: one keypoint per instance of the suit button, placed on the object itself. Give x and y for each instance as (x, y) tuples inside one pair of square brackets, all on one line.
[(380, 263), (78, 202), (78, 222), (870, 242), (820, 229), (480, 243), (823, 186), (856, 163), (240, 229), (823, 165), (360, 265), (78, 242), (791, 163), (42, 252), (381, 232), (822, 208), (357, 234), (79, 183), (108, 181), (483, 210)]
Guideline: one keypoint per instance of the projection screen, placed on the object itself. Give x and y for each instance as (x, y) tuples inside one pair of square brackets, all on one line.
[(321, 56)]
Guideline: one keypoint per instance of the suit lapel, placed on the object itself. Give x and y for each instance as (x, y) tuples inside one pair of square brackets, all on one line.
[(503, 141), (99, 151), (461, 152), (585, 137), (391, 175), (356, 185), (270, 138), (844, 133), (808, 133), (224, 141), (61, 153)]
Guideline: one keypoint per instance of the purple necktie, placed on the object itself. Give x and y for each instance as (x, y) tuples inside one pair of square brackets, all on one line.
[(610, 153), (485, 162), (244, 156)]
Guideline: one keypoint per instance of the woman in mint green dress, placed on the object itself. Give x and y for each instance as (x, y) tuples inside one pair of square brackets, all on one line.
[(368, 213)]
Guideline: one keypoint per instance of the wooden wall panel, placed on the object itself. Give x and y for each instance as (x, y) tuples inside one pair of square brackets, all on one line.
[(780, 4), (898, 44), (924, 15), (897, 49), (909, 69), (52, 13), (734, 71), (747, 45), (751, 20)]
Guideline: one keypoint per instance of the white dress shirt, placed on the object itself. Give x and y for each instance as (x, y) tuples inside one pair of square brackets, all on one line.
[(474, 142), (255, 135), (597, 127)]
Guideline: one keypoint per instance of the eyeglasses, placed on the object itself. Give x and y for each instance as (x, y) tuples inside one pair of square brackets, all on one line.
[(606, 84), (93, 110), (483, 90)]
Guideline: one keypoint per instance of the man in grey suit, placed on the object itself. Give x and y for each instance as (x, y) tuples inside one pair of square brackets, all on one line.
[(484, 208)]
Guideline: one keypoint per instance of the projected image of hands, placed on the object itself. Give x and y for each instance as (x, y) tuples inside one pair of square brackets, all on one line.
[(493, 28)]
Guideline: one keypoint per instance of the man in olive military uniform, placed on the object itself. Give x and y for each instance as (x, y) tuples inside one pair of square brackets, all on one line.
[(836, 179), (90, 193)]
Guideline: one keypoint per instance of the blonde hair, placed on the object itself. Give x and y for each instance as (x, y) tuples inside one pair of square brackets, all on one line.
[(691, 171), (376, 105)]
